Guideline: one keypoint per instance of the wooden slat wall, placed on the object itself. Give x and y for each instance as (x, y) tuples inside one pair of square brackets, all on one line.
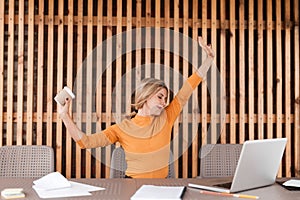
[(45, 45)]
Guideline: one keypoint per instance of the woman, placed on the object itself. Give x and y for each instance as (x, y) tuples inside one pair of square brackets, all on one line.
[(146, 137)]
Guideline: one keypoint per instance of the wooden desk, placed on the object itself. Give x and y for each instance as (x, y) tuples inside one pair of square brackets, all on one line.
[(125, 188)]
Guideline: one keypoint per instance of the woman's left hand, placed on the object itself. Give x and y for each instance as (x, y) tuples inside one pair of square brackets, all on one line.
[(207, 48)]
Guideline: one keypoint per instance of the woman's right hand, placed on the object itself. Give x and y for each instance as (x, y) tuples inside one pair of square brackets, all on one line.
[(63, 110)]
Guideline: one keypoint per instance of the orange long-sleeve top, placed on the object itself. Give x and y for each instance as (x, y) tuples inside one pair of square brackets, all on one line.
[(146, 140)]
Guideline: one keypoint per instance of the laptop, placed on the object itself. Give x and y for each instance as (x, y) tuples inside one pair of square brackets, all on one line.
[(257, 166)]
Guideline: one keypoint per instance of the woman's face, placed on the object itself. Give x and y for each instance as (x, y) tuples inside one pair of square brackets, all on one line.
[(157, 102)]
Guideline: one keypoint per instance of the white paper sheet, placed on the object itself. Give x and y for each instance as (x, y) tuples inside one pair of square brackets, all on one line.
[(54, 185), (60, 193), (52, 181), (292, 183), (82, 186), (147, 192)]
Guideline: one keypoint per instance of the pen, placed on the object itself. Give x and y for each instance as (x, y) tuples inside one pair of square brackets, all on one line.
[(229, 195)]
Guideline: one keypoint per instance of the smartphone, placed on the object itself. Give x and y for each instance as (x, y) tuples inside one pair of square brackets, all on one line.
[(65, 93)]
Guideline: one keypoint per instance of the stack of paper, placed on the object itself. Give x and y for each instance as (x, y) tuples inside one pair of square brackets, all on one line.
[(55, 185), (158, 192), (12, 193)]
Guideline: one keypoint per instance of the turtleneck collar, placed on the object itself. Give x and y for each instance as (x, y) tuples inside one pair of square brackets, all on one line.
[(142, 120)]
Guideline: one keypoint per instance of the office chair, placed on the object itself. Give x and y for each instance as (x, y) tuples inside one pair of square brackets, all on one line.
[(31, 161), (119, 165), (219, 160)]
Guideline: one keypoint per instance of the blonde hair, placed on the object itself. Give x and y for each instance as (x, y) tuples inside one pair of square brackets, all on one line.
[(147, 87)]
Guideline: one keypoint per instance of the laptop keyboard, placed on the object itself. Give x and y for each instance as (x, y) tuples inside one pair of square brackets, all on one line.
[(225, 185)]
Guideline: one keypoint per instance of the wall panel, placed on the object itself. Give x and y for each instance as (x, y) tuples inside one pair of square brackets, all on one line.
[(103, 49)]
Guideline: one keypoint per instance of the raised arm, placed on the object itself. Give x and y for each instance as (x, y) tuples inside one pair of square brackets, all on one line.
[(192, 82), (202, 70), (84, 141), (63, 112)]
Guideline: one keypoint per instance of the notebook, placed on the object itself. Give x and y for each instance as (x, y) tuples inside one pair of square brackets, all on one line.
[(257, 166), (159, 192)]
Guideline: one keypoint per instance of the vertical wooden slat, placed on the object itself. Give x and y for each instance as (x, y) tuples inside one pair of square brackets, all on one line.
[(176, 84), (30, 73), (232, 63), (148, 40), (297, 89), (118, 69), (40, 74), (204, 83), (138, 39), (79, 86), (260, 70), (166, 36), (195, 106), (2, 6), (10, 73), (108, 81), (288, 88), (222, 70), (59, 74), (241, 71), (20, 73), (185, 123), (89, 84), (99, 72), (167, 71), (269, 71), (157, 39), (213, 87), (50, 55), (69, 81), (279, 77), (251, 69), (128, 56)]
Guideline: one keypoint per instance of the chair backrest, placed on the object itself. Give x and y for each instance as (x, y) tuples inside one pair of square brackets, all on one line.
[(32, 161), (219, 160), (119, 165), (171, 172)]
